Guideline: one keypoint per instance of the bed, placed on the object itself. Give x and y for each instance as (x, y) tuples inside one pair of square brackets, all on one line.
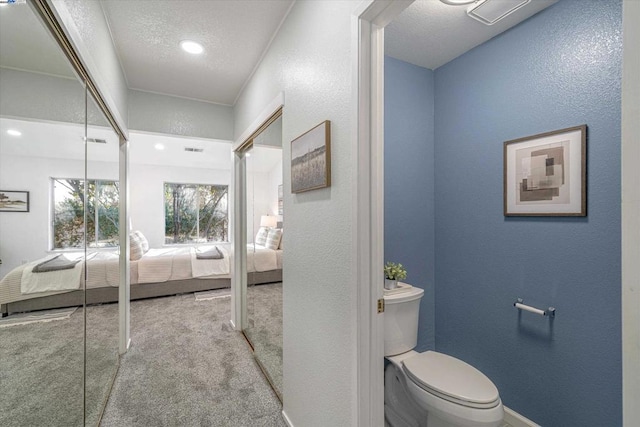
[(157, 272)]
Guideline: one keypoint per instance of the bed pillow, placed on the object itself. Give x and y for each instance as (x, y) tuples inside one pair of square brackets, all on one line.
[(273, 238), (261, 237), (139, 245), (144, 241)]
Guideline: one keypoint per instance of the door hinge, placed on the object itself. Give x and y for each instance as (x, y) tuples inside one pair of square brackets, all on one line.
[(381, 305)]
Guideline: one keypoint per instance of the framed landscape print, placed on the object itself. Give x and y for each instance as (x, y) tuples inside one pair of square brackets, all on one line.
[(545, 174), (14, 201), (311, 159)]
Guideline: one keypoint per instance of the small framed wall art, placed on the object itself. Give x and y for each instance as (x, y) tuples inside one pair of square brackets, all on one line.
[(14, 201), (311, 159), (546, 174)]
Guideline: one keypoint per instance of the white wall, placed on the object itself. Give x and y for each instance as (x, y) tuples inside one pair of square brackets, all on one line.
[(274, 179), (52, 98), (310, 60), (259, 200), (25, 236), (85, 23), (44, 97), (171, 115)]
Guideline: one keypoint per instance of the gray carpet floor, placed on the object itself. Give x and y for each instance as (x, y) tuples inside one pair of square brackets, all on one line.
[(41, 369), (265, 329), (187, 367)]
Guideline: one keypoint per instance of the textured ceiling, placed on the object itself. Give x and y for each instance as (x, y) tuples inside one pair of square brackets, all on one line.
[(430, 33), (234, 35)]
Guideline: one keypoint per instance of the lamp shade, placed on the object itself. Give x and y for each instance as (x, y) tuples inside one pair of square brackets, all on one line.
[(268, 221)]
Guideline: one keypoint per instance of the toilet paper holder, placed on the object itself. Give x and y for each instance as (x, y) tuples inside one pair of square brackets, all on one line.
[(519, 304)]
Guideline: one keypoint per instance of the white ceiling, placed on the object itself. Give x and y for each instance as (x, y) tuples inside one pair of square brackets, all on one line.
[(65, 141), (430, 33), (234, 35)]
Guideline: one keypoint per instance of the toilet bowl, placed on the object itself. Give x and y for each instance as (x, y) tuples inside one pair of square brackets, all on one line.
[(430, 389)]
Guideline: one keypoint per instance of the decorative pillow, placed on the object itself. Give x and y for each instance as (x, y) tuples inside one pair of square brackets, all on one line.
[(144, 241), (139, 245), (273, 238), (261, 237), (281, 247)]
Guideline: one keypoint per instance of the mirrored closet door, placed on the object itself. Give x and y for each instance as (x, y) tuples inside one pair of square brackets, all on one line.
[(264, 250), (49, 204)]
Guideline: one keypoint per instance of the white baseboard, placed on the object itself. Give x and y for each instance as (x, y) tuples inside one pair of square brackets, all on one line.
[(514, 419), (511, 417), (286, 419)]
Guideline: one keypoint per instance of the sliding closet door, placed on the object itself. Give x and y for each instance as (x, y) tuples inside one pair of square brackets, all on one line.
[(102, 196), (264, 257), (42, 129)]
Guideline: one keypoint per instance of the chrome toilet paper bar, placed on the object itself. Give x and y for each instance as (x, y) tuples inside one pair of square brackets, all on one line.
[(551, 311)]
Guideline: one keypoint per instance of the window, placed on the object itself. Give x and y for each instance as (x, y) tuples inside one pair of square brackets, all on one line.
[(195, 213), (68, 213)]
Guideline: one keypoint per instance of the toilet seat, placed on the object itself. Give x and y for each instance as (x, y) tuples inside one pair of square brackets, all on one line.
[(451, 379)]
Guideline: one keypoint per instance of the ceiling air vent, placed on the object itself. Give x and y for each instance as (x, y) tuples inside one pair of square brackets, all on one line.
[(491, 11), (97, 140), (193, 149)]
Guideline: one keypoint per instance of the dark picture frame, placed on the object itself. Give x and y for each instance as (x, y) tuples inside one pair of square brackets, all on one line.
[(311, 159), (14, 201), (546, 174)]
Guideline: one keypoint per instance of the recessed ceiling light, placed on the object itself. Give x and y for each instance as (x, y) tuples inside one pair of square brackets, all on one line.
[(191, 47), (159, 146), (14, 132)]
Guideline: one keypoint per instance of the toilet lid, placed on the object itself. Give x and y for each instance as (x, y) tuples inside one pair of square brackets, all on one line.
[(451, 379)]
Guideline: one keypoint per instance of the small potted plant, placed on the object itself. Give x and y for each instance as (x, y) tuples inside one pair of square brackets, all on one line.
[(392, 273)]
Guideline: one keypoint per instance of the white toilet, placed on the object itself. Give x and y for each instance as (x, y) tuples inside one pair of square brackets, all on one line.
[(430, 389)]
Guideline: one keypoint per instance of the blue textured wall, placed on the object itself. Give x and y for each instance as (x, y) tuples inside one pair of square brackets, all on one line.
[(409, 181), (561, 68)]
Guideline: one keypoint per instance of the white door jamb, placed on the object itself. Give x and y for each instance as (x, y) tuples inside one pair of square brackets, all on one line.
[(368, 236)]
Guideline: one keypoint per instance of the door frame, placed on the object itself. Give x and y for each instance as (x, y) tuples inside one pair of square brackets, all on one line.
[(368, 209), (630, 209), (368, 23)]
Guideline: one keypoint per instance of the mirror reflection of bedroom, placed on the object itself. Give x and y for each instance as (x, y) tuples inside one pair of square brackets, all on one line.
[(59, 231), (180, 250), (263, 328)]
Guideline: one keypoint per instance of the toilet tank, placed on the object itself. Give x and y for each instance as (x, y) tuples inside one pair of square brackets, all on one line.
[(401, 321)]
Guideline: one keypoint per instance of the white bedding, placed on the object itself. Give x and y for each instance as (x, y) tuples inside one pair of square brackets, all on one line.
[(157, 265), (176, 263), (261, 259), (209, 267), (61, 280)]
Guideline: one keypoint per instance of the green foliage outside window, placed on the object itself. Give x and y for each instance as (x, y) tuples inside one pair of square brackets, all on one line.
[(68, 213), (195, 213)]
